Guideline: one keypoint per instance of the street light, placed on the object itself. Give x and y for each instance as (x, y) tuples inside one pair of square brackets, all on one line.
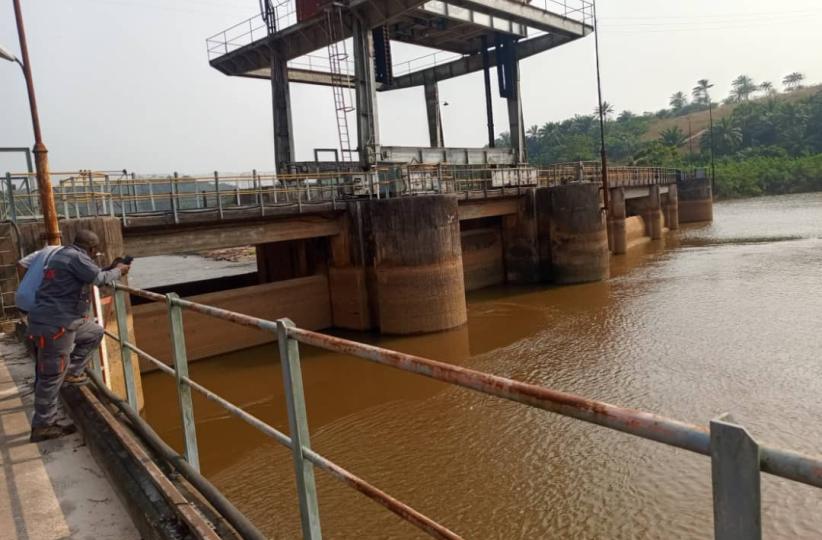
[(41, 162)]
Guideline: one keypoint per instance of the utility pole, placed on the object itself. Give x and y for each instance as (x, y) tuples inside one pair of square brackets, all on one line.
[(41, 161), (711, 119), (606, 194)]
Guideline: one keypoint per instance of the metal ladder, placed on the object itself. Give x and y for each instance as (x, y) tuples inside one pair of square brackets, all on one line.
[(340, 82)]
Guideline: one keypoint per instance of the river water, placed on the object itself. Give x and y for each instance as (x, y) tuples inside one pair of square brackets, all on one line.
[(725, 317)]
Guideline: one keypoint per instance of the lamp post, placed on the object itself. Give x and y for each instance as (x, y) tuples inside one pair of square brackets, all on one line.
[(41, 161)]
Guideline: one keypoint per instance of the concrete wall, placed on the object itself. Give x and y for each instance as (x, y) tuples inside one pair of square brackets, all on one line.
[(695, 200), (635, 231), (304, 300), (482, 257)]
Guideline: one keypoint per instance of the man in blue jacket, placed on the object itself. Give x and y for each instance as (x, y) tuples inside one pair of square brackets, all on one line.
[(59, 326)]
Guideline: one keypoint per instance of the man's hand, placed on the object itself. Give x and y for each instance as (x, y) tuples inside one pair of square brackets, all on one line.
[(123, 268)]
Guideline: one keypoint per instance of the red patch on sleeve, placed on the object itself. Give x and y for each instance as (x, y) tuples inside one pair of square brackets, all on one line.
[(51, 273)]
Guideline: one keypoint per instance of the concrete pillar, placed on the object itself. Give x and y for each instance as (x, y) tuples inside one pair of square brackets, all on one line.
[(347, 281), (672, 208), (578, 235), (417, 260), (695, 200), (521, 242), (432, 108), (368, 133), (281, 106), (516, 127), (652, 214), (617, 234)]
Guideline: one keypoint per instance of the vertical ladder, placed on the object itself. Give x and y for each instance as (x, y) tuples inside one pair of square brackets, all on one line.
[(340, 81)]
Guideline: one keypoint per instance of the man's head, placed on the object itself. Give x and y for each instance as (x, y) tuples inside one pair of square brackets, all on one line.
[(87, 241)]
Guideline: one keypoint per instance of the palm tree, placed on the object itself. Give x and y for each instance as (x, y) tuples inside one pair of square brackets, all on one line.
[(727, 137), (626, 115), (793, 81), (607, 108), (700, 91), (678, 101), (743, 87), (768, 88), (673, 137), (533, 131)]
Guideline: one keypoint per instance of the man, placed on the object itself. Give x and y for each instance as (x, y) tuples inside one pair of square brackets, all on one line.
[(61, 330)]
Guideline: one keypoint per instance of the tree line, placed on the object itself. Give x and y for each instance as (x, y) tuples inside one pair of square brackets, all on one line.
[(763, 142)]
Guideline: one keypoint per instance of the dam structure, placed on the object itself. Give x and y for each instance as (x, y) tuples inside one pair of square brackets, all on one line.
[(379, 238)]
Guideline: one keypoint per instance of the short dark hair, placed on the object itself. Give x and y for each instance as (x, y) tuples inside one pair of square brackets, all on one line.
[(86, 239)]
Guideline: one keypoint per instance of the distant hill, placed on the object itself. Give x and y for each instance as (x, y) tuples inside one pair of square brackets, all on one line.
[(700, 120)]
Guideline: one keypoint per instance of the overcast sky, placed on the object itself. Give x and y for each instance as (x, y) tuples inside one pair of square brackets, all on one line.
[(126, 83)]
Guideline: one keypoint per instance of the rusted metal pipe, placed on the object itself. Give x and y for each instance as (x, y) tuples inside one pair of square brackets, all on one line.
[(784, 463), (41, 161), (397, 507)]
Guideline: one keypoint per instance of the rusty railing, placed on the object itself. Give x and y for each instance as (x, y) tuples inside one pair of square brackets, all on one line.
[(737, 458)]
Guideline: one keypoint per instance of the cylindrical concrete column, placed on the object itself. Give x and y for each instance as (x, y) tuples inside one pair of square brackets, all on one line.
[(653, 214), (579, 239), (417, 262), (672, 208), (696, 201), (617, 235)]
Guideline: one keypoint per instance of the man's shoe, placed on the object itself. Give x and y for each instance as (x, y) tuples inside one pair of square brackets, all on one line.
[(77, 380), (53, 431)]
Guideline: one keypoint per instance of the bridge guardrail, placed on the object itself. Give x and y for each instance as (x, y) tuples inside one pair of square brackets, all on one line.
[(174, 199), (737, 459)]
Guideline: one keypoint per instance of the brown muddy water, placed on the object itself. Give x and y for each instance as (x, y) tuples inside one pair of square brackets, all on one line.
[(717, 318)]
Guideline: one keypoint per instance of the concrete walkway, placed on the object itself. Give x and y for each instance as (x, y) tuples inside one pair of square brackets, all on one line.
[(52, 490)]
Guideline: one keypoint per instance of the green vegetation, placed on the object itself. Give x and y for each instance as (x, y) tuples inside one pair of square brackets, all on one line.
[(765, 142)]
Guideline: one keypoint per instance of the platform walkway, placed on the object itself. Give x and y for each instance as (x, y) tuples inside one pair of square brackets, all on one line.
[(54, 489)]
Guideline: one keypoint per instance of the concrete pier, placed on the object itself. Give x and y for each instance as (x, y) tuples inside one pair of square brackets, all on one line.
[(578, 233), (617, 236), (415, 252), (695, 200)]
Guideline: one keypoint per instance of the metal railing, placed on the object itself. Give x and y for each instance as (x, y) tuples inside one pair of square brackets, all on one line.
[(250, 30), (254, 28), (175, 198), (737, 459)]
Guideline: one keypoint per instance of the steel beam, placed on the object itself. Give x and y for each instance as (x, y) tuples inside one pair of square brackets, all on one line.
[(281, 109), (368, 133), (432, 109), (472, 63), (528, 15), (515, 123)]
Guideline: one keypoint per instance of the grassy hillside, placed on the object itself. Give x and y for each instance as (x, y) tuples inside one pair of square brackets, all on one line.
[(700, 120)]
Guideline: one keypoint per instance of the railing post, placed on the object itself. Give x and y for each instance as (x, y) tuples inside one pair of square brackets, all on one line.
[(92, 200), (298, 427), (12, 204), (178, 351), (151, 200), (217, 191), (125, 352), (174, 201), (735, 474)]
